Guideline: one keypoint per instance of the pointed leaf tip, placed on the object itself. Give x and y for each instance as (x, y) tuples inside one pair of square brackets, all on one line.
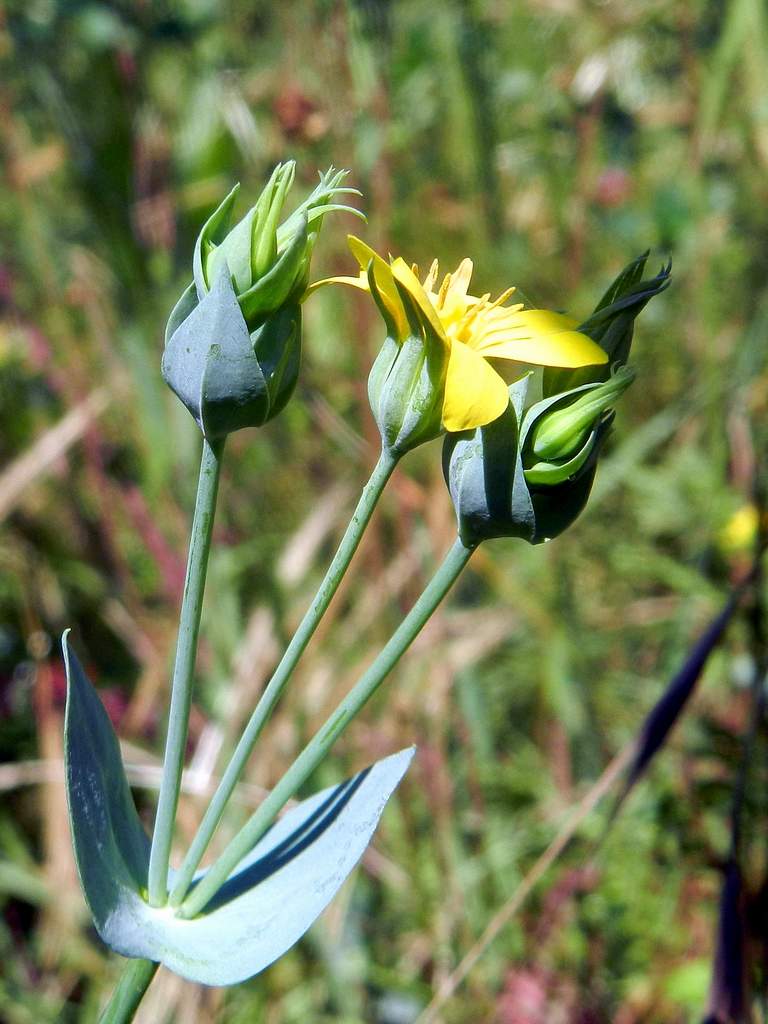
[(271, 899), (665, 713), (111, 847)]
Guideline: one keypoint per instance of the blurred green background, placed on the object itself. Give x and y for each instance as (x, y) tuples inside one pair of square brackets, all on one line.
[(551, 140)]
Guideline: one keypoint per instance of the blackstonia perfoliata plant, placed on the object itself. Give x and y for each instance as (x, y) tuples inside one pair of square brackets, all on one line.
[(514, 467)]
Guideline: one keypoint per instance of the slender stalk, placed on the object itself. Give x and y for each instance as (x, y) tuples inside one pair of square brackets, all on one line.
[(321, 743), (269, 698), (181, 687), (129, 991)]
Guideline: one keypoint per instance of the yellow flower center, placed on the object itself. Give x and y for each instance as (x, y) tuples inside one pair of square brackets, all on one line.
[(465, 317)]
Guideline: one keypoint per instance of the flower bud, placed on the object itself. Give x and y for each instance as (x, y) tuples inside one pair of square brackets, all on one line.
[(560, 430), (443, 377), (490, 488), (226, 376), (407, 380), (233, 341)]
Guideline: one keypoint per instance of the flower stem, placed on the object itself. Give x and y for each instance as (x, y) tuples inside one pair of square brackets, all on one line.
[(320, 744), (129, 991), (269, 698), (181, 687)]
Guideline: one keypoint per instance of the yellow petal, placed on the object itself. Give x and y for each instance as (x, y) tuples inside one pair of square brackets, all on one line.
[(543, 320), (363, 253), (406, 277), (474, 393), (360, 282), (385, 283), (540, 337)]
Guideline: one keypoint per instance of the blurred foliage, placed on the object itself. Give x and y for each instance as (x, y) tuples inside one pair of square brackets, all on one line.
[(552, 140)]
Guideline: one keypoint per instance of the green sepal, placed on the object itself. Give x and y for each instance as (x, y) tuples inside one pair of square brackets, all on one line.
[(560, 429), (551, 473), (484, 473), (263, 247), (549, 404), (277, 347), (282, 281), (271, 898), (558, 507), (406, 386), (389, 322), (181, 310), (235, 252), (317, 204), (611, 325), (213, 233)]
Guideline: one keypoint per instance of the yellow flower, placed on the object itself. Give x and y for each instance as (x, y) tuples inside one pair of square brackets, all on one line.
[(740, 531), (471, 329)]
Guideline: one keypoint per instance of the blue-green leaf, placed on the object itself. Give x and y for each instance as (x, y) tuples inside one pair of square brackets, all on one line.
[(271, 898), (111, 846)]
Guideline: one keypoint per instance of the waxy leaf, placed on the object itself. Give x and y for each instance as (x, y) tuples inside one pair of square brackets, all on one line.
[(111, 846), (271, 898)]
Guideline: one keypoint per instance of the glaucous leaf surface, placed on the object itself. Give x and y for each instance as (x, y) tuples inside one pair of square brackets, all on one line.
[(271, 898)]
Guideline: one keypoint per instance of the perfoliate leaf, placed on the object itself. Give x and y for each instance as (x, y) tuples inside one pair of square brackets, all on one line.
[(271, 898)]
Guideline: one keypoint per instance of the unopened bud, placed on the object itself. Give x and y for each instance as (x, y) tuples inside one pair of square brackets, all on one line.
[(561, 430), (233, 341)]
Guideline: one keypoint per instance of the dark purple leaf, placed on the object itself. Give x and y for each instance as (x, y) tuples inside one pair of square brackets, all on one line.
[(667, 710), (728, 1003)]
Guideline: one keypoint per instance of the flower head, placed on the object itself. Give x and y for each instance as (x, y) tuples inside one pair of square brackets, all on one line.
[(461, 333), (233, 340), (268, 261), (529, 473)]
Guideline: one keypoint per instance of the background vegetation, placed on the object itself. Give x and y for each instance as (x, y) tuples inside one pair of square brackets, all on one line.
[(552, 140)]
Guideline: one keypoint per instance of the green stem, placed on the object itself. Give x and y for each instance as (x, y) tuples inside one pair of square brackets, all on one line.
[(269, 698), (181, 687), (129, 991), (320, 744)]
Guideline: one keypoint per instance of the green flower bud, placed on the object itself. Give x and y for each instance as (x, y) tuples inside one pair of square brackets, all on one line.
[(227, 376), (490, 489), (268, 262), (233, 341), (560, 426), (407, 379)]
